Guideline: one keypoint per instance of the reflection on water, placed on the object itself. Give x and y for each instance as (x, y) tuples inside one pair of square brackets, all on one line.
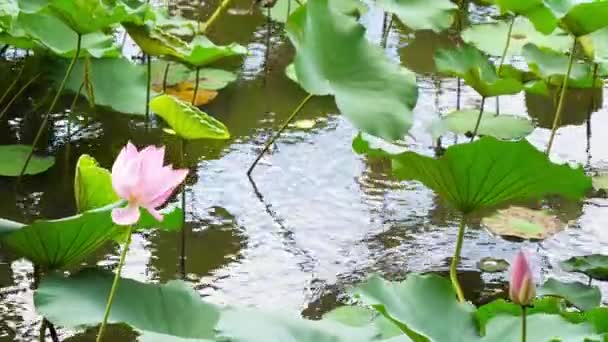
[(320, 218)]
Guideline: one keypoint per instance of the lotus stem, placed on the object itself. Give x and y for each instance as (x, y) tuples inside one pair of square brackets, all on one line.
[(483, 102), (69, 125), (148, 86), (589, 282), (12, 85), (456, 259), (165, 76), (218, 11), (591, 107), (458, 93), (182, 260), (52, 107), (17, 94), (502, 59), (278, 133), (121, 263), (562, 95), (524, 333), (196, 83)]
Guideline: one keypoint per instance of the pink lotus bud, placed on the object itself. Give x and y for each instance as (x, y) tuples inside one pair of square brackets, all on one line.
[(140, 178), (522, 289)]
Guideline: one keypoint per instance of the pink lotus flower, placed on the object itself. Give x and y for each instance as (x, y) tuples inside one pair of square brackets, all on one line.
[(140, 178), (521, 286)]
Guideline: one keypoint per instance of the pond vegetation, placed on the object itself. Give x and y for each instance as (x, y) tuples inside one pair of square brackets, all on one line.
[(70, 52)]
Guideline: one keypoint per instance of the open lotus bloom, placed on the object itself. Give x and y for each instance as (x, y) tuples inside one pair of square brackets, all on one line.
[(521, 286), (140, 178)]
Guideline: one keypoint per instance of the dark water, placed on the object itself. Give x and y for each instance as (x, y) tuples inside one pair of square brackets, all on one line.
[(320, 218)]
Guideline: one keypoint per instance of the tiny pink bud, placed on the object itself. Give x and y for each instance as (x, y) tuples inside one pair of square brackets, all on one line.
[(522, 289)]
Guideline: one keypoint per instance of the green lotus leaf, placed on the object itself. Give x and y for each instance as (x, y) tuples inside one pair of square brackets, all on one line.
[(492, 265), (203, 52), (92, 185), (12, 158), (8, 226), (535, 10), (523, 223), (489, 172), (594, 266), (503, 126), (65, 242), (415, 303), (500, 307), (117, 83), (359, 316), (88, 16), (282, 9), (540, 327), (595, 45), (9, 9), (491, 38), (167, 311), (249, 325), (210, 79), (551, 66), (154, 41), (477, 71), (188, 121), (578, 294), (436, 15), (50, 33), (175, 25), (376, 95)]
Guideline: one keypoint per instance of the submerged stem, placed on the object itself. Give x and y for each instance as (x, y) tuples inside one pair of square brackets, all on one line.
[(121, 263), (13, 84), (165, 76), (483, 102), (456, 259), (562, 95), (196, 83), (17, 94), (278, 133), (182, 260), (524, 333), (55, 99)]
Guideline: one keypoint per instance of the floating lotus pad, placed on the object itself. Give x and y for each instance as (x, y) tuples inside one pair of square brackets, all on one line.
[(594, 266), (12, 159), (503, 126), (492, 265), (523, 223)]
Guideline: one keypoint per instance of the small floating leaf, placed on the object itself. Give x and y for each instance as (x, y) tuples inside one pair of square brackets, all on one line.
[(477, 71), (492, 265), (578, 294), (523, 223), (188, 121), (503, 126), (436, 15), (489, 172), (594, 266), (12, 158)]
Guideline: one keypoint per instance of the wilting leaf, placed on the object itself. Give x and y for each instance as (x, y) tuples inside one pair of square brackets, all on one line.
[(489, 172), (492, 265), (118, 83), (185, 92), (12, 159), (491, 38), (578, 294), (594, 266), (210, 79), (415, 303), (503, 126), (171, 310), (552, 67), (64, 242), (92, 185), (436, 15), (523, 223), (372, 92), (477, 71), (188, 121)]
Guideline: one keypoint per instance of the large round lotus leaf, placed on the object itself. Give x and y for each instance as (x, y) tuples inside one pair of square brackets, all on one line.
[(576, 106), (374, 93), (594, 266), (492, 265), (175, 25), (415, 304), (477, 71), (172, 310), (282, 9), (12, 158), (359, 316), (503, 126), (491, 38), (418, 55), (535, 10), (210, 79), (523, 223), (489, 172), (578, 294), (552, 66), (436, 15), (64, 242), (202, 52), (188, 121), (88, 16), (49, 32), (9, 9)]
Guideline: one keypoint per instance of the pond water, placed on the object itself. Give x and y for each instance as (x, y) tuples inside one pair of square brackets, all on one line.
[(318, 218)]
